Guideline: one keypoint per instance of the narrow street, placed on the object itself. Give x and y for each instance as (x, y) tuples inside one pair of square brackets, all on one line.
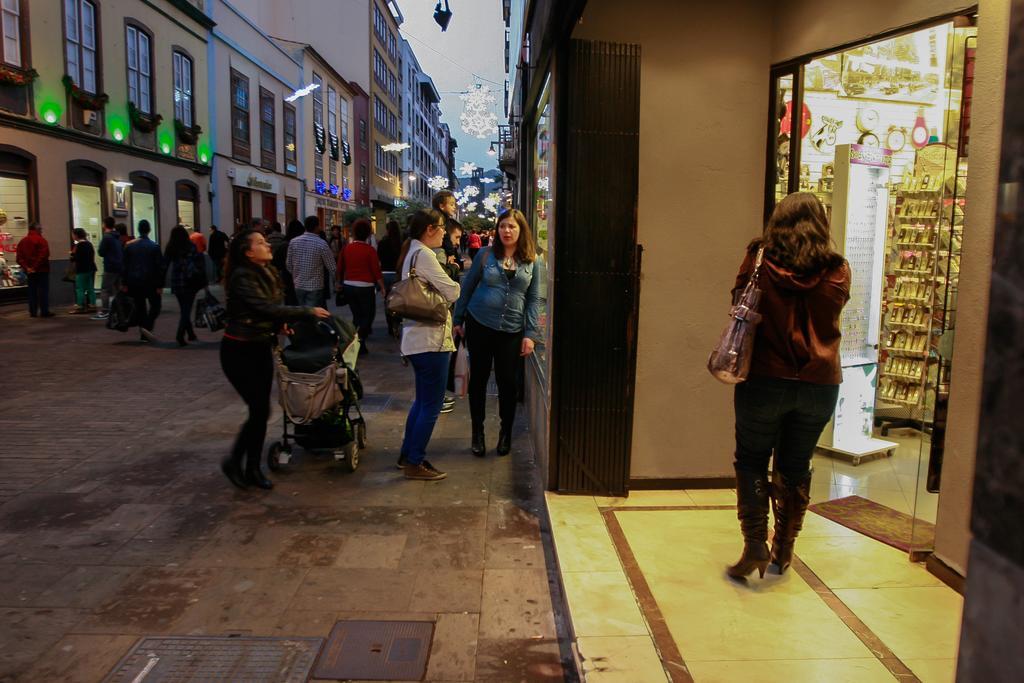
[(116, 523)]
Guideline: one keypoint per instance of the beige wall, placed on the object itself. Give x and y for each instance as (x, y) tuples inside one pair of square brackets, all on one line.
[(704, 91), (952, 536)]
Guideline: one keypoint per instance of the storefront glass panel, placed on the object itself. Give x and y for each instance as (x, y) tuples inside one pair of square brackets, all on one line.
[(144, 208), (884, 146), (87, 213), (543, 222), (13, 226), (187, 213)]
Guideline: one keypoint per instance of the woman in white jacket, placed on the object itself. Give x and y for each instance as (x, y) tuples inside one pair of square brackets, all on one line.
[(428, 346)]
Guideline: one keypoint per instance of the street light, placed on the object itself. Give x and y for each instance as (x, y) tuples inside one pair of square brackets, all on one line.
[(492, 152)]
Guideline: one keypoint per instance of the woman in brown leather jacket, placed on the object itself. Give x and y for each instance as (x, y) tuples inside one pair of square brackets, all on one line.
[(255, 315), (794, 378)]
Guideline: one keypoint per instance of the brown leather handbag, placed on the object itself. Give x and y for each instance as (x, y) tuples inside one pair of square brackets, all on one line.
[(416, 299), (730, 360)]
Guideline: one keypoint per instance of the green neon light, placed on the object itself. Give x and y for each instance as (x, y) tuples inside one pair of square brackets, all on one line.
[(205, 153), (50, 111), (166, 139), (118, 127)]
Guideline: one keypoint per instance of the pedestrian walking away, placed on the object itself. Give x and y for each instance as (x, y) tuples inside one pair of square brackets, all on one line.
[(474, 244), (359, 273), (187, 271), (427, 346), (111, 250), (144, 279), (255, 314), (387, 253), (217, 246), (309, 256), (497, 313), (279, 261), (33, 255), (198, 239), (83, 255), (794, 378)]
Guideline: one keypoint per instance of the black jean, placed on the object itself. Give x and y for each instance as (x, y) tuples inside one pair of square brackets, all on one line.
[(38, 294), (147, 306), (185, 300), (363, 302), (249, 366), (784, 416), (486, 347)]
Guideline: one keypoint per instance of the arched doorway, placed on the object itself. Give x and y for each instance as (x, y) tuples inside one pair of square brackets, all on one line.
[(145, 203), (187, 196), (86, 183)]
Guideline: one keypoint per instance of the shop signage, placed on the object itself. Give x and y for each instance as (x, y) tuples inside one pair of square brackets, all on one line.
[(329, 203), (319, 138), (870, 156), (254, 181), (346, 154), (335, 153)]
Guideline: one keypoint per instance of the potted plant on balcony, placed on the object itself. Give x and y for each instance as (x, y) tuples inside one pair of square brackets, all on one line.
[(141, 121), (11, 75), (83, 99), (188, 135)]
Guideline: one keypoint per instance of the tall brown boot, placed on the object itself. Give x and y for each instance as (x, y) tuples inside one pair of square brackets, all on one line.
[(790, 498), (752, 511)]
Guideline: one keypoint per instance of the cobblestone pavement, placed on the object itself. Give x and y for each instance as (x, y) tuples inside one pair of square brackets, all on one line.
[(115, 521)]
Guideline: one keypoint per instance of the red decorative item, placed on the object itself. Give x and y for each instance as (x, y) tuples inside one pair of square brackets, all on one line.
[(10, 75), (919, 134), (786, 124), (83, 99)]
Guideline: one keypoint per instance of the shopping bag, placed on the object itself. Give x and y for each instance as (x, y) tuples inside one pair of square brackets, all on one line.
[(213, 312), (462, 370), (122, 313)]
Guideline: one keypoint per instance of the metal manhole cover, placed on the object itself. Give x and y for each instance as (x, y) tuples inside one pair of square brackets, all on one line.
[(376, 651), (374, 403), (217, 658)]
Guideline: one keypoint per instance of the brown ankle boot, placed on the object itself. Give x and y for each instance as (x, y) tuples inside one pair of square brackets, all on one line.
[(790, 498), (752, 511)]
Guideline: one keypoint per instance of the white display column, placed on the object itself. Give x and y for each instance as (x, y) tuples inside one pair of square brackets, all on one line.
[(860, 205)]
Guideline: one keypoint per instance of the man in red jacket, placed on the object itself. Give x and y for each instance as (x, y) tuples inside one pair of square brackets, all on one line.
[(34, 256)]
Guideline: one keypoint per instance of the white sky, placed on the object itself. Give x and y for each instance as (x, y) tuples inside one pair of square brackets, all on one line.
[(475, 42)]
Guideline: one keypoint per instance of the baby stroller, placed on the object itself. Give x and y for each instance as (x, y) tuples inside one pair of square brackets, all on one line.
[(318, 387)]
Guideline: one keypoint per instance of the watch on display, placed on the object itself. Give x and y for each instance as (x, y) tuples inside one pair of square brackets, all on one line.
[(919, 133), (896, 139), (868, 139), (867, 120)]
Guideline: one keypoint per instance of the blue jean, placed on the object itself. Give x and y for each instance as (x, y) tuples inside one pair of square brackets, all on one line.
[(431, 373), (784, 416), (311, 297)]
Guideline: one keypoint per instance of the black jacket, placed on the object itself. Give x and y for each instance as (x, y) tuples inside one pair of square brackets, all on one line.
[(254, 308), (84, 257), (143, 264), (112, 252), (217, 245)]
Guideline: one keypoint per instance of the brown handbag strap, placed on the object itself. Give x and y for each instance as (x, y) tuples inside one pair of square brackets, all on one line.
[(757, 265)]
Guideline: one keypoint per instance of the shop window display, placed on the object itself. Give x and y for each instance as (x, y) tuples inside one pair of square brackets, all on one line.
[(86, 213), (543, 207), (908, 98), (13, 226)]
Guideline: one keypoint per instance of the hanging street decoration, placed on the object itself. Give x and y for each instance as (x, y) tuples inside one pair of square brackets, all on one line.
[(467, 168), (488, 181), (438, 183), (301, 92), (346, 154), (335, 147), (346, 194), (477, 118), (396, 146), (471, 191), (471, 206)]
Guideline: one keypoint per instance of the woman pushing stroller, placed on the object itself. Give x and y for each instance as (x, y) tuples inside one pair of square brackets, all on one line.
[(255, 315)]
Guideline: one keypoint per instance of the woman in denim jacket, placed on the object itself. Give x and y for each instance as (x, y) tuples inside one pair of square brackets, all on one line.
[(498, 313)]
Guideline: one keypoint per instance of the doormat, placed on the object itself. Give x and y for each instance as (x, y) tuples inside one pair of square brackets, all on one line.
[(217, 658), (879, 522), (376, 651)]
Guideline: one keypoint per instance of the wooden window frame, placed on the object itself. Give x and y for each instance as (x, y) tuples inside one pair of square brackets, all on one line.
[(133, 25), (177, 52), (291, 155), (24, 49), (241, 148), (97, 42), (268, 156)]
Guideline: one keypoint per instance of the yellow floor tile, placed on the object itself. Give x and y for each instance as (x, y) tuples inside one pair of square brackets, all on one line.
[(861, 562), (915, 623), (881, 479), (647, 499), (933, 670), (602, 604), (867, 670), (632, 659), (712, 618), (573, 511), (817, 526), (713, 496), (585, 548)]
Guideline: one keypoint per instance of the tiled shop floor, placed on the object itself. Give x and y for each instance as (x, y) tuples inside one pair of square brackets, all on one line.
[(779, 628)]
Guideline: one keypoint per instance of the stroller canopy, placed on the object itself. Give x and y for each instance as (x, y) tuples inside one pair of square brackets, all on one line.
[(315, 343)]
